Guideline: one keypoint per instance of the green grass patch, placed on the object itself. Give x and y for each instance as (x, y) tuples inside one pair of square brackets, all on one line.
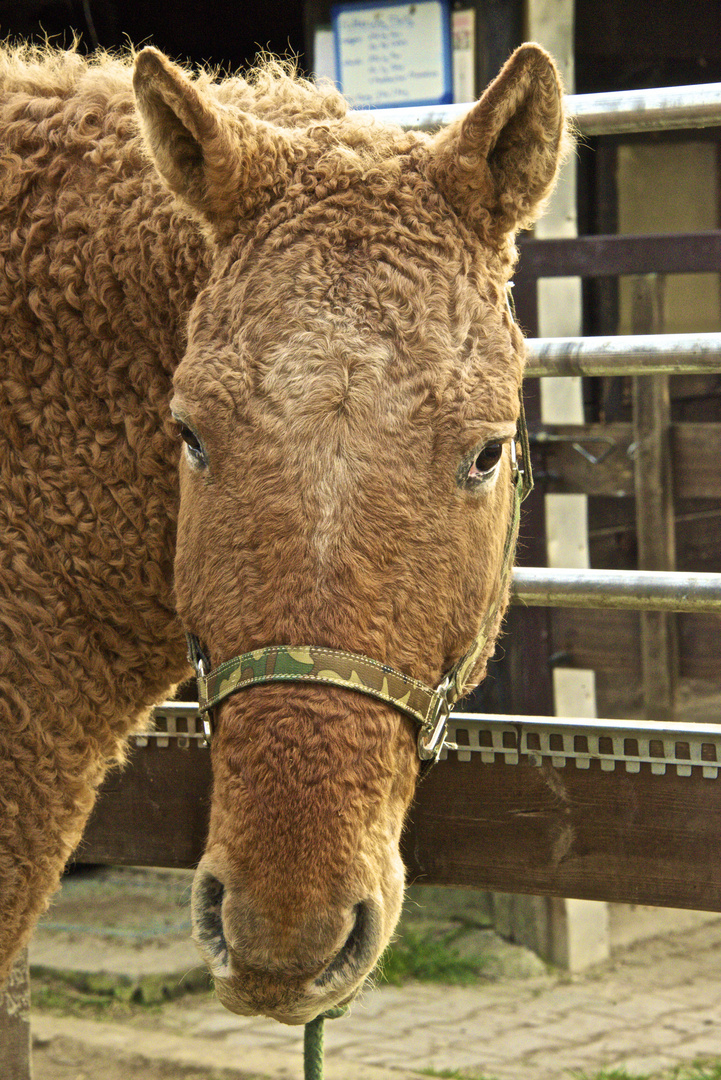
[(610, 1074), (104, 996), (700, 1070), (425, 955)]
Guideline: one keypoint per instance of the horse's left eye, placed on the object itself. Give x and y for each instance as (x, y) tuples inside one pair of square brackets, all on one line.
[(193, 445), (486, 461)]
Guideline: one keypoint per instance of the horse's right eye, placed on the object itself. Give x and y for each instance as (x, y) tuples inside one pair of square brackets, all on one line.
[(193, 445), (486, 460)]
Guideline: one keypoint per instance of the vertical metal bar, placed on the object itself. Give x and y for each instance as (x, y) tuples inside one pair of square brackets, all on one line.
[(15, 1062), (654, 505)]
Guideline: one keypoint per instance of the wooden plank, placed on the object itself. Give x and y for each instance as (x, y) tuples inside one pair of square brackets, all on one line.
[(695, 453), (617, 836), (527, 645), (698, 535), (589, 458), (15, 1061), (653, 481), (609, 256), (610, 641), (612, 525), (154, 813), (601, 640), (699, 653)]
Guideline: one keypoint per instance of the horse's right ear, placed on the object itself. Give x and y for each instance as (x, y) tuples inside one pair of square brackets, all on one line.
[(225, 164), (498, 164)]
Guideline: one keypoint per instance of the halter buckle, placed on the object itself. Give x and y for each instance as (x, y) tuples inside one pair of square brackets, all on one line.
[(432, 736), (206, 716)]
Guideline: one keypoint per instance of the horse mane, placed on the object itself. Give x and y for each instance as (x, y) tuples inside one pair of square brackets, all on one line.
[(275, 90), (272, 88)]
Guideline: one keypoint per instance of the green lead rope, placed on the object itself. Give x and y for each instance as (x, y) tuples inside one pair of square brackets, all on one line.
[(313, 1043)]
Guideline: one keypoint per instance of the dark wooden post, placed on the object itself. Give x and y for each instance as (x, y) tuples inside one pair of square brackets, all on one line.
[(15, 1061), (654, 504)]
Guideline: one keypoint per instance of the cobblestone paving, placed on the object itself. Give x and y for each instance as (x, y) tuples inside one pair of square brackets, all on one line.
[(655, 1006)]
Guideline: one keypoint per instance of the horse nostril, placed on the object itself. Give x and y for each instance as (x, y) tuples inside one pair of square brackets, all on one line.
[(359, 950), (207, 904)]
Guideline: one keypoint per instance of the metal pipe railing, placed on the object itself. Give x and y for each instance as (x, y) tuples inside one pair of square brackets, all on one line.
[(690, 354), (618, 112), (665, 108), (635, 590)]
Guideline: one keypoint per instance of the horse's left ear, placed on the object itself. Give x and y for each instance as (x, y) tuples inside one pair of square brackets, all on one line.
[(225, 164), (498, 164)]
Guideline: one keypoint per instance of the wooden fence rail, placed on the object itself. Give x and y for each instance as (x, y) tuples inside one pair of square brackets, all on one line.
[(543, 806)]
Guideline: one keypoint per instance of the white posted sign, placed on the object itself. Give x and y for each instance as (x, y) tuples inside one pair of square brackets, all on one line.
[(394, 54)]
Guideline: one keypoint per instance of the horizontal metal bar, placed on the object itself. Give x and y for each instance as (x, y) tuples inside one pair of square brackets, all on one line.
[(176, 723), (689, 354), (618, 112), (609, 256), (557, 739), (635, 590), (560, 739), (666, 108), (424, 117)]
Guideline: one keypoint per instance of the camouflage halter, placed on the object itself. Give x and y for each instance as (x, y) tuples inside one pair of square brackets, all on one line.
[(351, 671)]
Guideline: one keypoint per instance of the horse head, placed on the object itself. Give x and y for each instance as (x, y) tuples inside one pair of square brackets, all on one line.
[(348, 403)]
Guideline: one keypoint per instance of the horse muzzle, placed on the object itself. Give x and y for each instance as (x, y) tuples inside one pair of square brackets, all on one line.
[(289, 969)]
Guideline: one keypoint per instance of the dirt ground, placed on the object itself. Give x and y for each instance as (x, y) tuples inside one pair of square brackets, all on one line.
[(648, 995), (661, 995), (65, 1059)]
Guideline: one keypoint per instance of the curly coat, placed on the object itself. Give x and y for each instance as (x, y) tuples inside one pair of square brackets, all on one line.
[(122, 215)]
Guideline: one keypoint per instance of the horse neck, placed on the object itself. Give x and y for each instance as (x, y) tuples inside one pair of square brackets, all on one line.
[(100, 269)]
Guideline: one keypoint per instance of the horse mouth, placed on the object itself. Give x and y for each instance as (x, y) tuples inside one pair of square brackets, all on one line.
[(251, 989)]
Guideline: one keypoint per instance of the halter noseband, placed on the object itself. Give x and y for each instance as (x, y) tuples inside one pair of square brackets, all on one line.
[(316, 664)]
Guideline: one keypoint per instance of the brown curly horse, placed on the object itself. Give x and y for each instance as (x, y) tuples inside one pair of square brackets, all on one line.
[(325, 296)]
